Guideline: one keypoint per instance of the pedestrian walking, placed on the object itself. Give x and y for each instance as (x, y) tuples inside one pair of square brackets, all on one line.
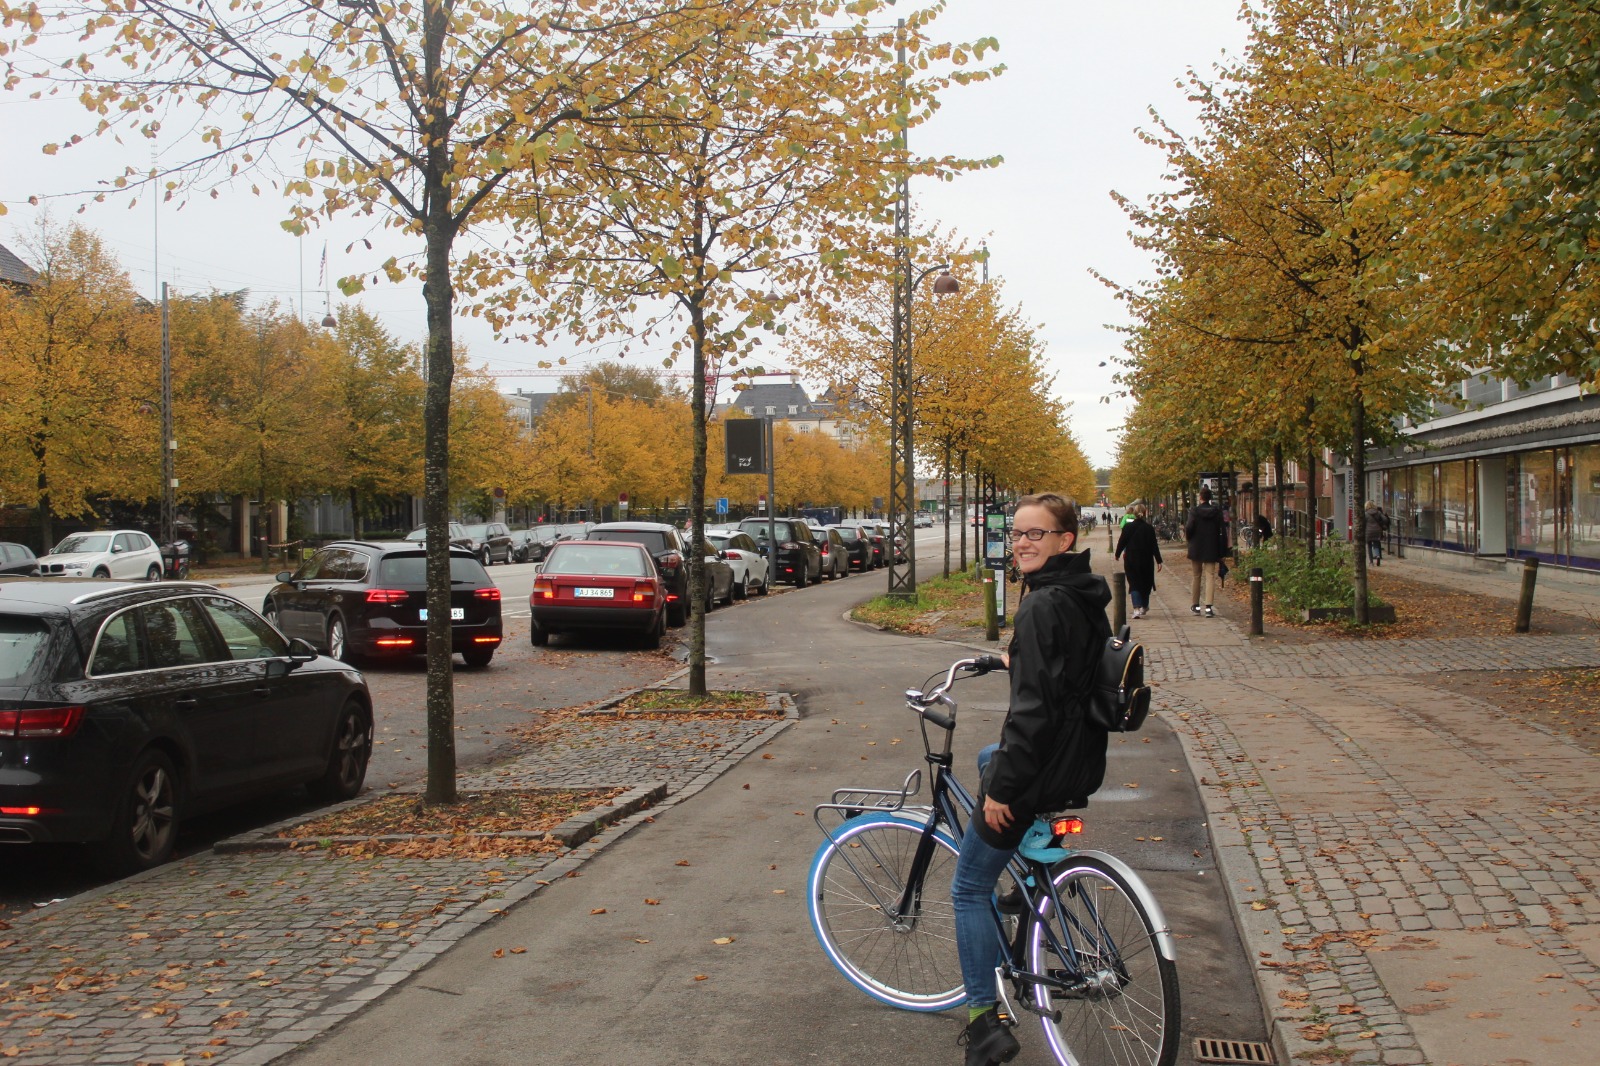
[(1050, 756), (1263, 529), (1140, 553), (1208, 541), (1377, 525)]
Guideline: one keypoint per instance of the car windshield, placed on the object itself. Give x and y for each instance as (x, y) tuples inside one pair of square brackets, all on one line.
[(758, 529), (418, 534), (621, 560), (22, 642), (409, 571), (849, 533), (477, 532), (654, 541), (83, 542)]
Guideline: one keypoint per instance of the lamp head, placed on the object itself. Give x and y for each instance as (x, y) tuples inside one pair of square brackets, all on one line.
[(945, 283), (328, 321)]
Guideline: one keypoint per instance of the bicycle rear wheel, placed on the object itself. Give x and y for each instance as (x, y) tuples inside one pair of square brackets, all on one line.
[(1121, 1004), (907, 961)]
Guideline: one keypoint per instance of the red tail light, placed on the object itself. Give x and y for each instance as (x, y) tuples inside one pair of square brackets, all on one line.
[(394, 642), (41, 722), (28, 812), (485, 640), (644, 592), (387, 595), (490, 593), (1066, 826), (544, 589)]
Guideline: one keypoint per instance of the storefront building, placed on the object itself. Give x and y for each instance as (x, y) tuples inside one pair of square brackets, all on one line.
[(1508, 473)]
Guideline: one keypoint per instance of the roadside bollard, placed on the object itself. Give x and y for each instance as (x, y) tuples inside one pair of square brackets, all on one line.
[(1530, 575), (1119, 602), (1255, 602), (991, 613)]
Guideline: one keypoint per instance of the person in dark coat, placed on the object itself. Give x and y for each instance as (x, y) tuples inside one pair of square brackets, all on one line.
[(1263, 529), (1207, 533), (1050, 755), (1377, 524), (1140, 553)]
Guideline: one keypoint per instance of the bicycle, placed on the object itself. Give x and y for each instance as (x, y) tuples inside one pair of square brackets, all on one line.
[(1086, 947)]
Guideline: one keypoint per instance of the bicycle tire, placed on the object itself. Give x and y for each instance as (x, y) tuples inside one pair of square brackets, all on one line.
[(1127, 1012), (909, 964)]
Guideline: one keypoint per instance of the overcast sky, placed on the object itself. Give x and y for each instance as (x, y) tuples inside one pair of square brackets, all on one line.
[(1080, 78)]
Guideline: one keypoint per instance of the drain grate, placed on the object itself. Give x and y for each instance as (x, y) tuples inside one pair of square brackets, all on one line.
[(1232, 1052)]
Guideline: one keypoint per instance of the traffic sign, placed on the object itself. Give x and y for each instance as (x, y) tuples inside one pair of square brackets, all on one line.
[(722, 505)]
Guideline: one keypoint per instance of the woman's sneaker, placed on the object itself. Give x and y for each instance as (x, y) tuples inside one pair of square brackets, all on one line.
[(1209, 612), (988, 1040)]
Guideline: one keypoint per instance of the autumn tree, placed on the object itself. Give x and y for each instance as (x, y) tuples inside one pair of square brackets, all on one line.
[(765, 173), (81, 380)]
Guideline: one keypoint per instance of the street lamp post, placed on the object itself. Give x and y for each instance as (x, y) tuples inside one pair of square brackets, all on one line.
[(169, 480)]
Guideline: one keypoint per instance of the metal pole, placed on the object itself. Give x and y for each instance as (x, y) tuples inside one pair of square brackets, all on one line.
[(902, 462), (1255, 602), (991, 613), (169, 482), (1530, 575), (1119, 601), (772, 505)]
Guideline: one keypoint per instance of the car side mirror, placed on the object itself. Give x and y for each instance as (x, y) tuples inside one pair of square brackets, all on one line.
[(284, 577)]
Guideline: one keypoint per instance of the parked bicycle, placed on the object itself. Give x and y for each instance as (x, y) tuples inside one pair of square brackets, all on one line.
[(1087, 949)]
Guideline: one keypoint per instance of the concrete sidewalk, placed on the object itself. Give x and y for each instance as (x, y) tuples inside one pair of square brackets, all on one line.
[(1413, 869)]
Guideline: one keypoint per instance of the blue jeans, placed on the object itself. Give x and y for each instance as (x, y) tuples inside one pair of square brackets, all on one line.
[(1137, 596), (978, 870)]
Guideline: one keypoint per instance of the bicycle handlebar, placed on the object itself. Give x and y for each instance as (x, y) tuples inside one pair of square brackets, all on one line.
[(922, 702)]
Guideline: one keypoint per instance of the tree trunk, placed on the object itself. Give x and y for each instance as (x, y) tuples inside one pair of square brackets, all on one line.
[(37, 446), (1311, 503), (1279, 504), (439, 230), (697, 507), (966, 512), (946, 508), (1358, 471)]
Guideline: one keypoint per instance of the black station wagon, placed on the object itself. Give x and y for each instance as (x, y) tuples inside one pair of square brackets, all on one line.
[(125, 708)]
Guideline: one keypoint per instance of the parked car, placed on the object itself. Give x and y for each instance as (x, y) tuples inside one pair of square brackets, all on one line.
[(719, 576), (876, 541), (744, 557), (533, 544), (458, 535), (858, 548), (667, 546), (369, 598), (835, 556), (489, 541), (127, 708), (798, 559), (923, 520), (18, 559), (599, 586), (124, 554)]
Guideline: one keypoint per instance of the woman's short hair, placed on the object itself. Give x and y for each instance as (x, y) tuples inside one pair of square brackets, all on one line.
[(1064, 509)]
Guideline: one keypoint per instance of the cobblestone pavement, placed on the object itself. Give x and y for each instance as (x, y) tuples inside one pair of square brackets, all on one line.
[(239, 958), (1413, 869)]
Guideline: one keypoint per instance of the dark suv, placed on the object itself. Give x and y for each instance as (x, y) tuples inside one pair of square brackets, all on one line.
[(668, 547), (799, 560), (491, 542), (125, 708), (355, 598)]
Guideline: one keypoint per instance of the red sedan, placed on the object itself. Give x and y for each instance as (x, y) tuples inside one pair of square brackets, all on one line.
[(604, 586)]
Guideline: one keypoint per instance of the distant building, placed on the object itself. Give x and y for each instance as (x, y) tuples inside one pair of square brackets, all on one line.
[(837, 415), (526, 408), (14, 272)]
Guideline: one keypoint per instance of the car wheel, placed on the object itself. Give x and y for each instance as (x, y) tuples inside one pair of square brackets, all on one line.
[(338, 640), (101, 571), (485, 558), (478, 657), (269, 611), (761, 589), (538, 634), (741, 589), (153, 574), (802, 577), (347, 759), (652, 637), (677, 614), (145, 825)]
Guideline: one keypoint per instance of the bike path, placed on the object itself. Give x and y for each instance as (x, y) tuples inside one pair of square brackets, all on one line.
[(1413, 869), (688, 941)]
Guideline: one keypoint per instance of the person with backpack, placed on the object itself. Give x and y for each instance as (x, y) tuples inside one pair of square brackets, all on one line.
[(1141, 559), (1207, 533), (1050, 757), (1377, 525)]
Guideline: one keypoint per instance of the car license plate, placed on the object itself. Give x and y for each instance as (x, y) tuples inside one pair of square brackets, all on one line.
[(457, 614), (594, 594)]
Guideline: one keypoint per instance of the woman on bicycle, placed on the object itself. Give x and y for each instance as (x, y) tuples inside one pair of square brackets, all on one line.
[(1050, 756)]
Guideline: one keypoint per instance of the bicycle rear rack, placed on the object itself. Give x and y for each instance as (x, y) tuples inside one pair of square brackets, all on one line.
[(850, 802)]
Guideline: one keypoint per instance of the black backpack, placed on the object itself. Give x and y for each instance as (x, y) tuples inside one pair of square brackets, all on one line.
[(1119, 699)]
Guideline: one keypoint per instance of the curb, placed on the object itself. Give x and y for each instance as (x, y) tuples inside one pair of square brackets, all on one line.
[(571, 833), (776, 701)]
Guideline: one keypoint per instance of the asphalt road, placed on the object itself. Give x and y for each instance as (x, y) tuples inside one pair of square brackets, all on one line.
[(688, 940)]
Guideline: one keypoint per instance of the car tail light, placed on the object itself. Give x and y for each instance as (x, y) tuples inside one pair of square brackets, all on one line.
[(394, 642), (485, 640), (490, 593), (28, 812), (41, 722), (644, 592), (387, 596), (544, 590)]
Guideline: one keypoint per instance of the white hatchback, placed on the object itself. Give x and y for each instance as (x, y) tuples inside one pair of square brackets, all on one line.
[(749, 565), (122, 554)]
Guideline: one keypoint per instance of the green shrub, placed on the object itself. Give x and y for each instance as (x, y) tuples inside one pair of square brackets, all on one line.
[(1299, 582)]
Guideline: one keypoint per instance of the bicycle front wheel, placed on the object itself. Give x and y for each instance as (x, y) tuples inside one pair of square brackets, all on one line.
[(1116, 994), (857, 881)]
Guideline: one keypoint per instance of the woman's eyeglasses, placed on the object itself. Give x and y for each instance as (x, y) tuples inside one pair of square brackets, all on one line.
[(1033, 534)]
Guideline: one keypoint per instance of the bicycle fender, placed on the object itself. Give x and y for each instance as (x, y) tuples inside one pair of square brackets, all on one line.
[(1164, 940)]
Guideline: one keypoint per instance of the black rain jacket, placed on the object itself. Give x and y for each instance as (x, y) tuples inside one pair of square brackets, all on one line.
[(1051, 757)]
